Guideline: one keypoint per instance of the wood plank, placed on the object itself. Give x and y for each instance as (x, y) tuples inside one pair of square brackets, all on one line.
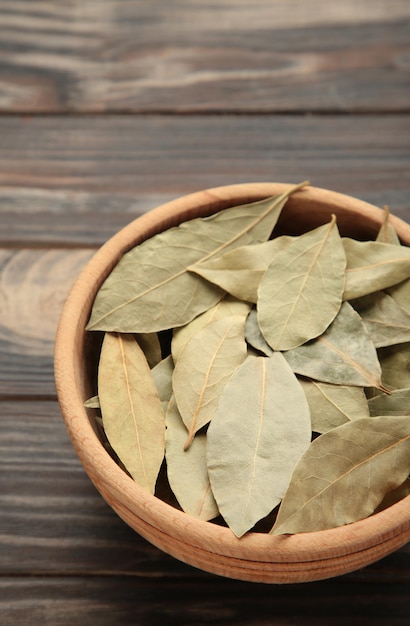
[(39, 216), (118, 55), (34, 285), (75, 181), (126, 161), (52, 519), (116, 600)]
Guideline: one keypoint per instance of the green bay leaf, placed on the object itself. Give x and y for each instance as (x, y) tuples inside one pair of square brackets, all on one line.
[(333, 405), (204, 366), (143, 292), (187, 469), (260, 430), (132, 414), (343, 355), (345, 474), (301, 291)]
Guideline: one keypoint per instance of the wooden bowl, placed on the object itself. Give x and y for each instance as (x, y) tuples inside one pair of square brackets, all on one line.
[(255, 557)]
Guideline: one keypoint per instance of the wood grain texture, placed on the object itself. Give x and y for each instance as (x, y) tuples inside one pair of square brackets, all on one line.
[(54, 522), (76, 181), (33, 286), (212, 83), (118, 55), (112, 601), (51, 517)]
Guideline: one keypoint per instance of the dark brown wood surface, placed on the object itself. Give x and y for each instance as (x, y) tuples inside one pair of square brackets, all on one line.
[(232, 55), (107, 109)]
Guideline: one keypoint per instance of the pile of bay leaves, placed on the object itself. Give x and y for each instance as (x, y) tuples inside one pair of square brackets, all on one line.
[(271, 373)]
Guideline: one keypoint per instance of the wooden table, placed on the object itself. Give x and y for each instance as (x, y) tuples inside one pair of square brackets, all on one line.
[(107, 109)]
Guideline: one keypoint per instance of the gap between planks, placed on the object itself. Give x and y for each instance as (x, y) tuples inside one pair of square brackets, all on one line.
[(326, 112)]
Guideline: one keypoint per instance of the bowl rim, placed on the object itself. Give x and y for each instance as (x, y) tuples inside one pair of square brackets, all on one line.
[(170, 529)]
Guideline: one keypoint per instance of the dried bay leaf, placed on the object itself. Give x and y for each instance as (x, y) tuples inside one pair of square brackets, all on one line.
[(132, 414), (240, 271), (258, 433), (372, 392), (251, 351), (92, 403), (345, 474), (343, 355), (401, 294), (196, 283), (395, 364), (301, 291), (387, 232), (254, 336), (386, 322), (396, 403), (151, 347), (187, 469), (395, 496), (162, 375), (401, 291), (143, 292), (333, 405), (226, 307), (204, 366), (373, 266)]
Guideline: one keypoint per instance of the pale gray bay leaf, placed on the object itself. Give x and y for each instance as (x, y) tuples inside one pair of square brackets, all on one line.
[(260, 430), (386, 322), (133, 418), (333, 405), (227, 307), (187, 469), (204, 366), (343, 355), (143, 292), (345, 474), (301, 291), (254, 336), (396, 403), (373, 266)]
